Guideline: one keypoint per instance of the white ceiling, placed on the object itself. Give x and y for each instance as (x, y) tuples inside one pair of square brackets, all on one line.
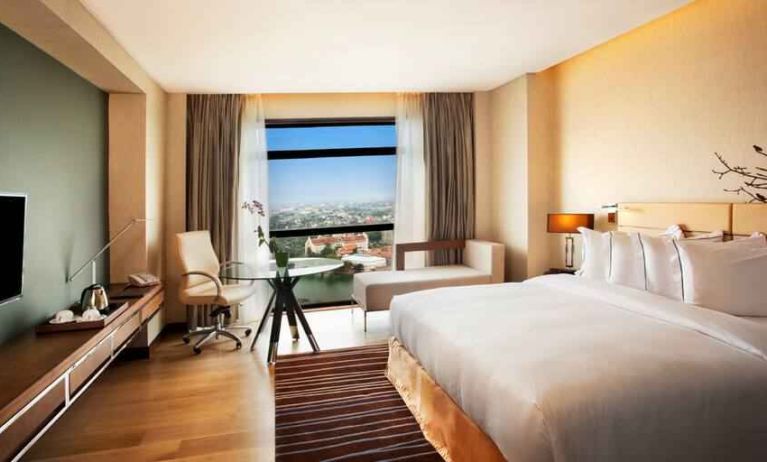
[(271, 46)]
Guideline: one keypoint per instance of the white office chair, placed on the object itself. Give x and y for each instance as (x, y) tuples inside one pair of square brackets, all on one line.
[(200, 285)]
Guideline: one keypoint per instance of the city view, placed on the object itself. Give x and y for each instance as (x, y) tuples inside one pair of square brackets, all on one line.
[(359, 251), (321, 192), (322, 215)]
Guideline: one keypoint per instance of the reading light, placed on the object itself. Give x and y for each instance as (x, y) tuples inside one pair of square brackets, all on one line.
[(92, 260), (568, 223)]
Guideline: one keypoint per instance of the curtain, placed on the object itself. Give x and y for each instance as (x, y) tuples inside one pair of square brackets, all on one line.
[(253, 185), (410, 202), (212, 171), (449, 159)]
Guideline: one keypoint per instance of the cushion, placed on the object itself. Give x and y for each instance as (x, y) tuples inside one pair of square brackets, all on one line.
[(661, 260), (374, 290), (726, 276), (203, 294), (627, 263), (596, 254)]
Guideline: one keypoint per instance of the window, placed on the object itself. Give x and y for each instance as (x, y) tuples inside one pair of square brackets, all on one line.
[(331, 194)]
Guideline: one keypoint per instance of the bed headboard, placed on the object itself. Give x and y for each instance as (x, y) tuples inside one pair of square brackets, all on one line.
[(747, 218), (696, 218), (654, 218)]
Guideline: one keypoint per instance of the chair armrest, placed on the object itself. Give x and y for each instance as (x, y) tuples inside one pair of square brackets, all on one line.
[(400, 249), (216, 281), (486, 257)]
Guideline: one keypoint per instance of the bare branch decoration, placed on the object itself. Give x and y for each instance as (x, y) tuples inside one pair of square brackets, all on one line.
[(754, 178)]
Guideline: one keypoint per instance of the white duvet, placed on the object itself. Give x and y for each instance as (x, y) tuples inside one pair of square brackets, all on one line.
[(567, 368)]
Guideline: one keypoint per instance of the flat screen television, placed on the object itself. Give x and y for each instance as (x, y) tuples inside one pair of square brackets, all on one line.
[(13, 211)]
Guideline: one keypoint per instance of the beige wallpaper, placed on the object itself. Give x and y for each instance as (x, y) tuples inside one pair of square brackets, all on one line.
[(635, 119), (639, 118), (509, 178)]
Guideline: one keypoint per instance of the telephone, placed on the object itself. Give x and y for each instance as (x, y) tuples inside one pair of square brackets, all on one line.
[(143, 279)]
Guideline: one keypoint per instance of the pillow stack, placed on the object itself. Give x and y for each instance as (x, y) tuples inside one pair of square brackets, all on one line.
[(703, 270)]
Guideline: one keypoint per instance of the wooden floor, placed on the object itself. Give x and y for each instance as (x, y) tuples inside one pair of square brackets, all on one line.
[(177, 406)]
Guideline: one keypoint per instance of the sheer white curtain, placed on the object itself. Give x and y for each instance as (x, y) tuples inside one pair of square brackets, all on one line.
[(253, 184), (410, 205)]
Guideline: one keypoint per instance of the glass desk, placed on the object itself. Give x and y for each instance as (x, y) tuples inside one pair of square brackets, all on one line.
[(283, 299)]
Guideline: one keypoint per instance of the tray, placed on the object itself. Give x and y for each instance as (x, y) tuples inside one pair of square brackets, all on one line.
[(112, 311)]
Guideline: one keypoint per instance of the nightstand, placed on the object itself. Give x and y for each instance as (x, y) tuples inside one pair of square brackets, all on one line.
[(561, 271)]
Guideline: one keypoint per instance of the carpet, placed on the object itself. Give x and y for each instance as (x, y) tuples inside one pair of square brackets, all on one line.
[(339, 406)]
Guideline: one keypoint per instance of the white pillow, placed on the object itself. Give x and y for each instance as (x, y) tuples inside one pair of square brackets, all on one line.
[(632, 266), (727, 276), (596, 254), (664, 273), (674, 231), (627, 265)]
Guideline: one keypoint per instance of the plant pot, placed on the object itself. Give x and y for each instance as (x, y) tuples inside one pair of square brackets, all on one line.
[(281, 259)]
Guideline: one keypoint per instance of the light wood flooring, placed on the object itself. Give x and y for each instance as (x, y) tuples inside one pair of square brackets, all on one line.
[(178, 406)]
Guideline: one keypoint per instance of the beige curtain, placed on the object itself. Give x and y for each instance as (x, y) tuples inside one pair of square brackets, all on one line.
[(212, 165), (448, 125)]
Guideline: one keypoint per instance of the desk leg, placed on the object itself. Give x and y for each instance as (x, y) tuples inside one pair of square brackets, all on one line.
[(263, 320), (274, 340), (289, 308), (304, 323)]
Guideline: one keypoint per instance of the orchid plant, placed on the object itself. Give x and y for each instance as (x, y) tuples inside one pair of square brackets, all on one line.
[(257, 208)]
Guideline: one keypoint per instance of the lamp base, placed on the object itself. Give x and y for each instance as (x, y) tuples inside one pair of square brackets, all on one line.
[(569, 251)]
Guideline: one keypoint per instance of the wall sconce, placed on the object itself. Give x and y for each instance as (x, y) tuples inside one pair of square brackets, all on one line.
[(612, 212)]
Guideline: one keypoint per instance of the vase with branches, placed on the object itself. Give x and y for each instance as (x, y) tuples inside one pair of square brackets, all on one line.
[(256, 208), (754, 179)]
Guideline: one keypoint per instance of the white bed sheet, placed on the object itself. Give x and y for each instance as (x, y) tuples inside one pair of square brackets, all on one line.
[(567, 368)]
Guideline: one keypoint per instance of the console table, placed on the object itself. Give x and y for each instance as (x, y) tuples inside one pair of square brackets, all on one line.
[(43, 374)]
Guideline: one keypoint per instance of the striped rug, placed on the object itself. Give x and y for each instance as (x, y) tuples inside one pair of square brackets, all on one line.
[(339, 406)]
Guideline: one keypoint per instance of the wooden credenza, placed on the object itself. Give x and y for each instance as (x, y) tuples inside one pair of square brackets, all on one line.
[(42, 375)]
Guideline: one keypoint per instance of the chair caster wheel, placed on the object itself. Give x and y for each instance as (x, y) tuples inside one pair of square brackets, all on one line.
[(248, 332), (238, 346), (185, 339), (196, 350)]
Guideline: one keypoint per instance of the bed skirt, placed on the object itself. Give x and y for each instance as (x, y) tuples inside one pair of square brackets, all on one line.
[(444, 424)]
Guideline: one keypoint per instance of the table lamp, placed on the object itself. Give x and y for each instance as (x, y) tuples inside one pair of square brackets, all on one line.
[(568, 223), (92, 260)]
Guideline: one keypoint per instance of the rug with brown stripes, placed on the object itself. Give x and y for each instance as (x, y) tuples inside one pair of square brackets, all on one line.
[(339, 406)]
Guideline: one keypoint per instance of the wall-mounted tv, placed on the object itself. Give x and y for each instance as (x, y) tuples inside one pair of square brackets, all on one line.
[(13, 211)]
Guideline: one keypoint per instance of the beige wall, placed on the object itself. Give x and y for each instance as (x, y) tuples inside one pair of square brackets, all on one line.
[(483, 166), (316, 105), (155, 180), (542, 187), (640, 117), (175, 200), (635, 119), (127, 172), (509, 199)]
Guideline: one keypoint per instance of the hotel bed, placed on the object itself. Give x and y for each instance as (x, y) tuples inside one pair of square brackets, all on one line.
[(570, 368)]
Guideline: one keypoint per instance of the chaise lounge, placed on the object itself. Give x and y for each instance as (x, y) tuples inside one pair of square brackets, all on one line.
[(482, 264)]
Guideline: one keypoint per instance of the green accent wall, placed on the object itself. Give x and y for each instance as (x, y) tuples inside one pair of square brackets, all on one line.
[(53, 147)]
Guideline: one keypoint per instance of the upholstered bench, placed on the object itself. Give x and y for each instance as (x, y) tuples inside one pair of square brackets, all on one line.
[(482, 264)]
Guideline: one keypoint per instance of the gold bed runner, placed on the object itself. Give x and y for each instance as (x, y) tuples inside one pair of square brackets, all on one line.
[(444, 424)]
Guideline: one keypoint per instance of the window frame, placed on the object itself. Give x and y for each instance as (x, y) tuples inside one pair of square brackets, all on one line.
[(330, 152)]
